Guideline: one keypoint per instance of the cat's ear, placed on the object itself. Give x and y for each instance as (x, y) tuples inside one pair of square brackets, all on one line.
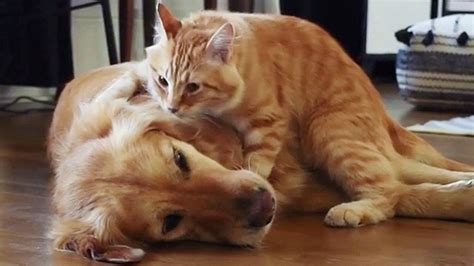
[(219, 46), (166, 24)]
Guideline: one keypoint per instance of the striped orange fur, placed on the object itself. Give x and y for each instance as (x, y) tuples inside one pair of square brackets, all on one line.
[(271, 76)]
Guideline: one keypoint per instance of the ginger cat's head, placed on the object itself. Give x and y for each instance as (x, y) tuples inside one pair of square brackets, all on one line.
[(191, 71)]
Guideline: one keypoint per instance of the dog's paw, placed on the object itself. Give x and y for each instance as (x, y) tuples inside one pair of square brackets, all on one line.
[(353, 214)]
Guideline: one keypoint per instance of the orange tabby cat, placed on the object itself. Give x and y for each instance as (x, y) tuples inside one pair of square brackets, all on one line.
[(284, 81)]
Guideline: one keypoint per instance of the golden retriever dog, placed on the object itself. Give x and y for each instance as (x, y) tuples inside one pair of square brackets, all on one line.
[(128, 174)]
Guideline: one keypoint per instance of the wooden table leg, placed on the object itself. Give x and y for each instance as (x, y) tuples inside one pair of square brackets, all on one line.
[(126, 29), (210, 4), (241, 6), (109, 31), (148, 7)]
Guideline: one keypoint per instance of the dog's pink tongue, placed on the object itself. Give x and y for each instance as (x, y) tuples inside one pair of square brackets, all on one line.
[(119, 254)]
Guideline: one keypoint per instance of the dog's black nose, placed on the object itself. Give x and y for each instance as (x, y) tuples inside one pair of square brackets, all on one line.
[(262, 209), (172, 109)]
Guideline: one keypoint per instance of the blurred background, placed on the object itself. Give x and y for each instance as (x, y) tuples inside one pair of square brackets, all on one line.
[(45, 43)]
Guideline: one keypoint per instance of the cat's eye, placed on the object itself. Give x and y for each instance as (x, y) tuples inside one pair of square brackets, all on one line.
[(192, 87), (171, 222), (181, 161), (163, 82)]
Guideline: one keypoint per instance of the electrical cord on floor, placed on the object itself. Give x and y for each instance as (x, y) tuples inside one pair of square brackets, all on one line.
[(5, 108)]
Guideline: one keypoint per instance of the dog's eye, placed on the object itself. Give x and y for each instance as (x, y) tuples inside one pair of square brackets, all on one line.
[(163, 82), (171, 222), (181, 161), (192, 87)]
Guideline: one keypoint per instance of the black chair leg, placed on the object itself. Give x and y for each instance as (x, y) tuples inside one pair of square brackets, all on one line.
[(245, 6), (148, 21), (109, 32)]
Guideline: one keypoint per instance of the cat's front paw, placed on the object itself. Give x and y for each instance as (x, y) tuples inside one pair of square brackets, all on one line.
[(353, 214), (258, 165)]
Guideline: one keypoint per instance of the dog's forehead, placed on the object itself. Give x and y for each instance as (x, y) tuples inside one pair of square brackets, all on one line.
[(153, 147), (143, 156), (159, 140)]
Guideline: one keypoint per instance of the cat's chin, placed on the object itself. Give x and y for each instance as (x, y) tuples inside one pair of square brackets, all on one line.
[(191, 113), (181, 114)]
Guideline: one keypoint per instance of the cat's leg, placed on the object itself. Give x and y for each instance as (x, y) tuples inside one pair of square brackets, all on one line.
[(373, 189), (367, 177), (457, 166), (347, 152), (93, 119), (451, 201), (263, 140), (413, 147), (122, 87), (314, 197), (301, 190), (414, 172)]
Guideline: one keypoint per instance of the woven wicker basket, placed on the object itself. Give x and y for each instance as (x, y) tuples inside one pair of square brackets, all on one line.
[(435, 66)]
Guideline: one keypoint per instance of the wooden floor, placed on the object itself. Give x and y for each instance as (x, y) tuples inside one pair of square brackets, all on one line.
[(302, 240)]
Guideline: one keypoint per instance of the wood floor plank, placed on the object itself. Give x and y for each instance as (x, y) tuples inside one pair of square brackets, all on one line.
[(297, 240)]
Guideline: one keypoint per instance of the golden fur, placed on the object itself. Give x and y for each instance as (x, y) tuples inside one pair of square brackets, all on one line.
[(116, 180), (112, 153), (111, 179)]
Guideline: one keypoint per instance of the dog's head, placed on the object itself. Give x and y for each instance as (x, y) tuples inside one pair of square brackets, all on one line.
[(138, 182)]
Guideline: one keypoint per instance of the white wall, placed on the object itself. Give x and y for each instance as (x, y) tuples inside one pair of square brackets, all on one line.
[(385, 17)]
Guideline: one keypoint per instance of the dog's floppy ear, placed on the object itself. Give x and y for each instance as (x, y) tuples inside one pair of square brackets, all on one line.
[(119, 254), (90, 247)]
